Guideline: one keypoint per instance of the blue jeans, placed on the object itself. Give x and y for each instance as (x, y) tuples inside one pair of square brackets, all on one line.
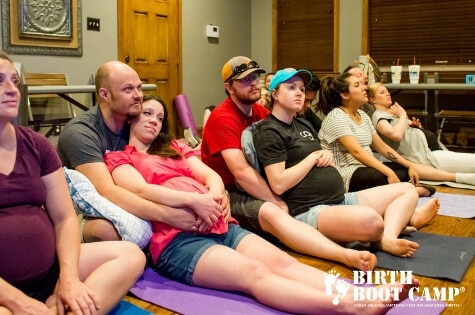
[(178, 261)]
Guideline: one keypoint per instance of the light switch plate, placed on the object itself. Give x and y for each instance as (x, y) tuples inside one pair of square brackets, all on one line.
[(212, 31), (93, 24)]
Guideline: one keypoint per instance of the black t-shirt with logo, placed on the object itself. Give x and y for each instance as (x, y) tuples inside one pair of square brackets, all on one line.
[(275, 142)]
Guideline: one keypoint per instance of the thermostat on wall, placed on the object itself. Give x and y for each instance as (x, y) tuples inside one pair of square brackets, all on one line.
[(212, 31)]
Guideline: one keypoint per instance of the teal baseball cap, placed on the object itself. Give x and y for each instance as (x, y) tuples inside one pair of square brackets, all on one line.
[(287, 73)]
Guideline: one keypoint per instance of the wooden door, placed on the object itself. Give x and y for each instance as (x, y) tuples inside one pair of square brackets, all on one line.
[(149, 34)]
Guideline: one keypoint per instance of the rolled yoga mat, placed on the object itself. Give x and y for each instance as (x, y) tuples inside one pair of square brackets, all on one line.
[(184, 113)]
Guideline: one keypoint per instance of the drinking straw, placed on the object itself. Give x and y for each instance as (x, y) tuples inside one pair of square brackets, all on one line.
[(414, 60), (397, 62)]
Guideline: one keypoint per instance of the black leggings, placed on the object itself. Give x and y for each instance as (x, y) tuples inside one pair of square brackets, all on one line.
[(367, 177)]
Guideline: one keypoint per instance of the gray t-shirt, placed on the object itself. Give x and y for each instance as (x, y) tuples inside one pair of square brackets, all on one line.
[(413, 145), (86, 138)]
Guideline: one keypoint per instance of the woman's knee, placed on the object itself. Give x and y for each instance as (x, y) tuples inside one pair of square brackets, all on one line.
[(128, 255), (406, 188), (282, 260), (255, 270), (372, 226), (5, 311), (133, 254), (387, 193), (271, 216)]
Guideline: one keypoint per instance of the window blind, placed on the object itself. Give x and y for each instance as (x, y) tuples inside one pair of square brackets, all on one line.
[(431, 31), (305, 34)]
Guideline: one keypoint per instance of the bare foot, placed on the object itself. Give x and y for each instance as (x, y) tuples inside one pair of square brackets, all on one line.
[(425, 213), (408, 230), (361, 260), (397, 246)]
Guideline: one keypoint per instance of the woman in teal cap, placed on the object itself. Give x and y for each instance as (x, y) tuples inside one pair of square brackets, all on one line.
[(304, 175)]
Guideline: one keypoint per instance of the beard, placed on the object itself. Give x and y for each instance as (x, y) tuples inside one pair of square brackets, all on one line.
[(133, 111), (248, 98), (132, 114)]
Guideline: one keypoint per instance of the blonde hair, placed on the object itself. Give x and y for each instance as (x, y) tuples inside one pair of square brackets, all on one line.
[(373, 88)]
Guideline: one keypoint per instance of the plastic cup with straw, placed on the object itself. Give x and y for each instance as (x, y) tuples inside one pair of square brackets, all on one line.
[(396, 72), (414, 71)]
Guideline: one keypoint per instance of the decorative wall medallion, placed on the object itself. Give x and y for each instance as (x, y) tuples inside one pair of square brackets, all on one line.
[(46, 18), (42, 27)]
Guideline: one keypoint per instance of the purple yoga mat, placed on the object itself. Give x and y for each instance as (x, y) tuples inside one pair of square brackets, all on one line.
[(184, 113), (186, 299)]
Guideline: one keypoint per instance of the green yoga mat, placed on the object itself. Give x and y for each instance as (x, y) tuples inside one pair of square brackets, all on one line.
[(438, 256)]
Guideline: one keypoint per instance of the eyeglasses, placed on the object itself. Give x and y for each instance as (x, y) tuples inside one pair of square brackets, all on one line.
[(243, 67), (248, 79)]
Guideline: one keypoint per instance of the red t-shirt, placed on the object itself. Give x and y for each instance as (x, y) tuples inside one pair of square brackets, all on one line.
[(223, 131)]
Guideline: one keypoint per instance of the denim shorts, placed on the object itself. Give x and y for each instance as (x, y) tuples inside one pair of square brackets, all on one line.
[(179, 259), (311, 216)]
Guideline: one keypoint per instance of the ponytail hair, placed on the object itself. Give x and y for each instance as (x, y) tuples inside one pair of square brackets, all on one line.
[(331, 89)]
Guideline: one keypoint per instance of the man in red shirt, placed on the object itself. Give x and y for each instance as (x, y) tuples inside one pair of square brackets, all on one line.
[(253, 203)]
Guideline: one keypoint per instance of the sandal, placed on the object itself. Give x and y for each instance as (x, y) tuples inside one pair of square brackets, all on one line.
[(192, 140)]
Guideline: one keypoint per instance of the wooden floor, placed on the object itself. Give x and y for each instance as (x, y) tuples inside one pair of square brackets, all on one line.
[(465, 301)]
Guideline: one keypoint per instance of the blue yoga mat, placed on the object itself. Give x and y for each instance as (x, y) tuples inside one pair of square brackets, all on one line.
[(127, 308), (438, 256)]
